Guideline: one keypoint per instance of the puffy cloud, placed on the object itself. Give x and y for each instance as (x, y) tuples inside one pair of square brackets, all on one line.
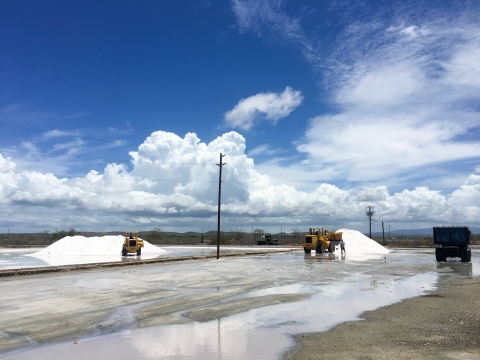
[(174, 184), (373, 194), (272, 106), (468, 194)]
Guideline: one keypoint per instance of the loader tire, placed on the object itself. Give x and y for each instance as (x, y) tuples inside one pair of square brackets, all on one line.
[(331, 248), (139, 252), (307, 251), (124, 252)]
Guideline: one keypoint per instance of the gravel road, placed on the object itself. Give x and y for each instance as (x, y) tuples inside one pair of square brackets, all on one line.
[(444, 324)]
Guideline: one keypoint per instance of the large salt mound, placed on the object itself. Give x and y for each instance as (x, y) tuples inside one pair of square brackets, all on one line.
[(92, 246), (358, 244)]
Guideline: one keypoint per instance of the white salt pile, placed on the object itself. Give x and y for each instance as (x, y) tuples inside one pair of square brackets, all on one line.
[(357, 244), (92, 246)]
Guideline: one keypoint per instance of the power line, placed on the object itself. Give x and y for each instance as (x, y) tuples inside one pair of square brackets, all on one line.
[(245, 191), (50, 131), (13, 150), (115, 178), (92, 139)]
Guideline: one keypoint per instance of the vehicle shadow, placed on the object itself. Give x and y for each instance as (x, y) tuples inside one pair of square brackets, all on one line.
[(449, 271)]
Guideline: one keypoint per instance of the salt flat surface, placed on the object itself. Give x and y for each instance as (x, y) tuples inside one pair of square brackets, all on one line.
[(109, 245), (344, 288)]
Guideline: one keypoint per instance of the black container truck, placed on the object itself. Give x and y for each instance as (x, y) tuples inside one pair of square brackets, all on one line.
[(454, 241)]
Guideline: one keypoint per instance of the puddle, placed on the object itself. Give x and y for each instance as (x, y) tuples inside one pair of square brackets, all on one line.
[(338, 291)]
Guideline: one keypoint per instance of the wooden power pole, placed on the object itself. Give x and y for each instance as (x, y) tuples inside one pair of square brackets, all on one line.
[(370, 213), (219, 199), (383, 234)]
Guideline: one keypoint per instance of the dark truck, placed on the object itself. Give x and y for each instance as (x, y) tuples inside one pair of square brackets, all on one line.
[(266, 240), (454, 241)]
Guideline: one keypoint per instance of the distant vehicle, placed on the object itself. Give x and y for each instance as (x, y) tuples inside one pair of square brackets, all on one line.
[(266, 240), (454, 241), (132, 244), (321, 240)]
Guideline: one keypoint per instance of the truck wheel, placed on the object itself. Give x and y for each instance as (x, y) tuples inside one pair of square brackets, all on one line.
[(469, 255), (307, 251), (331, 248), (439, 254), (139, 252), (124, 252), (463, 255)]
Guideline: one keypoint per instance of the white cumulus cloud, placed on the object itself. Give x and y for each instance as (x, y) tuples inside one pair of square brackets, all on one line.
[(174, 182), (271, 106)]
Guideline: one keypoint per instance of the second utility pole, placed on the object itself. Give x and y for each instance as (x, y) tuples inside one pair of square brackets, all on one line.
[(370, 213), (219, 196)]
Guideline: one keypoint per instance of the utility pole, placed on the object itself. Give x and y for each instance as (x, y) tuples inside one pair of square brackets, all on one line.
[(219, 197), (383, 234), (370, 213)]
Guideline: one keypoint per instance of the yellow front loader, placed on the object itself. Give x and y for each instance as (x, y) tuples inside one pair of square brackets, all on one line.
[(132, 244), (321, 240)]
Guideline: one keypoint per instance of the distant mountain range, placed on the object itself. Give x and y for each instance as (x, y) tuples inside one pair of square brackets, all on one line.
[(425, 231)]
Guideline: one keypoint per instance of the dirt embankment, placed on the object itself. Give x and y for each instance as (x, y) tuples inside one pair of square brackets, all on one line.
[(444, 324)]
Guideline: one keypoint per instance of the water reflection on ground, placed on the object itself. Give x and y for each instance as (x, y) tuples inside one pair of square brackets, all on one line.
[(339, 290)]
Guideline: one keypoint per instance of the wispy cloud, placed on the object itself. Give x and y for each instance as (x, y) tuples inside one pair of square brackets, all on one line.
[(263, 150), (403, 88), (58, 134), (408, 104), (266, 18), (271, 106)]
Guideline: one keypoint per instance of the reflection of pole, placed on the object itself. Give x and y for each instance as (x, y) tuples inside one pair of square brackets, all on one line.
[(219, 196), (370, 213), (383, 234), (219, 336)]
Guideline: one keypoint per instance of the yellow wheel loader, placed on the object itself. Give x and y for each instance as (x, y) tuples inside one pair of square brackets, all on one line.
[(132, 244), (321, 240)]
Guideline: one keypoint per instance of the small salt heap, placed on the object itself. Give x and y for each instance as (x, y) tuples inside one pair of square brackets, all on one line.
[(92, 246)]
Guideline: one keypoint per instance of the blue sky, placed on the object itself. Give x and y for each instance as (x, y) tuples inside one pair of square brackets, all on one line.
[(322, 109)]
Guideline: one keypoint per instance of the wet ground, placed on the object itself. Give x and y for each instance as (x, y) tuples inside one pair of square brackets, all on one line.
[(214, 309), (13, 258)]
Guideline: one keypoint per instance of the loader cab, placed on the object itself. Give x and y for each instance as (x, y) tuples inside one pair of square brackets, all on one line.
[(315, 231)]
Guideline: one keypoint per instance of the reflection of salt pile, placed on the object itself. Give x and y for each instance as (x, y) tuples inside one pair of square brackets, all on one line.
[(358, 244), (92, 246)]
